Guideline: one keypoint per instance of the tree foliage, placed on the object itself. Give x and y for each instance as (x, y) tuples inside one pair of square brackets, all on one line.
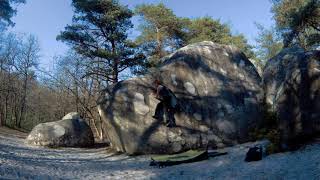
[(208, 29), (7, 11), (161, 31), (298, 21), (99, 31), (269, 43)]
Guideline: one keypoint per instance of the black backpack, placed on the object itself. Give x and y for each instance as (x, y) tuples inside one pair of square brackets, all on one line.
[(254, 154)]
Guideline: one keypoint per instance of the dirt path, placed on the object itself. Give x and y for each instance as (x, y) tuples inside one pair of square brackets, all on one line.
[(19, 161), (4, 131)]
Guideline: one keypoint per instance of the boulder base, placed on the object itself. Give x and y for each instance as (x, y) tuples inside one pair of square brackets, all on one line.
[(71, 131)]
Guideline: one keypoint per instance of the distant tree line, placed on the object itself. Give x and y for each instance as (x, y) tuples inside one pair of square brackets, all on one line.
[(101, 53), (18, 60)]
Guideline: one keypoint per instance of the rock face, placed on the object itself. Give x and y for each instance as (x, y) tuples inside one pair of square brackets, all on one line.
[(258, 66), (217, 88), (292, 90), (71, 131)]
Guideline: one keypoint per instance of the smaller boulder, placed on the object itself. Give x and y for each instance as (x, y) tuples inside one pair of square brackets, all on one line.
[(71, 131), (72, 115), (291, 83)]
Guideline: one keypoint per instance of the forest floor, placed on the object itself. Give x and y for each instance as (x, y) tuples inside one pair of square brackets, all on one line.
[(20, 161)]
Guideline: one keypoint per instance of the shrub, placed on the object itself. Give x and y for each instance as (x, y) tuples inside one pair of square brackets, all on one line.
[(268, 129)]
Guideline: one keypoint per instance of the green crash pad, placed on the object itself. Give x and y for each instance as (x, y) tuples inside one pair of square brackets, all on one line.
[(185, 157)]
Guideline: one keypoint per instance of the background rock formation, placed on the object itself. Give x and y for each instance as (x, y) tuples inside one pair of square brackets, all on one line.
[(219, 92), (71, 131), (292, 90)]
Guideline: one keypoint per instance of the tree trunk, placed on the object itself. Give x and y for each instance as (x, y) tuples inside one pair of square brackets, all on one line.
[(24, 99), (159, 43), (115, 70), (95, 129), (1, 115), (5, 112)]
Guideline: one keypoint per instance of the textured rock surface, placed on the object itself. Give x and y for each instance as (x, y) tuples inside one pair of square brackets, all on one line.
[(258, 66), (217, 87), (292, 89), (71, 131)]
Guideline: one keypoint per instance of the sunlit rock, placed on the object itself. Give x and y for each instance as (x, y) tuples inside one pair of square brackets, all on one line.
[(217, 106), (71, 131)]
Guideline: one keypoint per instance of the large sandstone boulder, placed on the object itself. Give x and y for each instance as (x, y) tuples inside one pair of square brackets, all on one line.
[(292, 90), (218, 90), (71, 131)]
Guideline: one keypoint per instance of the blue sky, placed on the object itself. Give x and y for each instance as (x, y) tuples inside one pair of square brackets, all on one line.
[(46, 18)]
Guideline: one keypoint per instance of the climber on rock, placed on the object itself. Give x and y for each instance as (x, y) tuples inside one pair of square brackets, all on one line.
[(167, 105)]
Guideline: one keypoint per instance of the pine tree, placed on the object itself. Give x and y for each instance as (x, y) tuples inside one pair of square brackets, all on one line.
[(269, 43), (7, 11), (208, 29), (161, 31), (298, 21), (99, 32)]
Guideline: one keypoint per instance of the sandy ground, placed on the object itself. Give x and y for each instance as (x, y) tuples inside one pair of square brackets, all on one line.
[(19, 161)]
